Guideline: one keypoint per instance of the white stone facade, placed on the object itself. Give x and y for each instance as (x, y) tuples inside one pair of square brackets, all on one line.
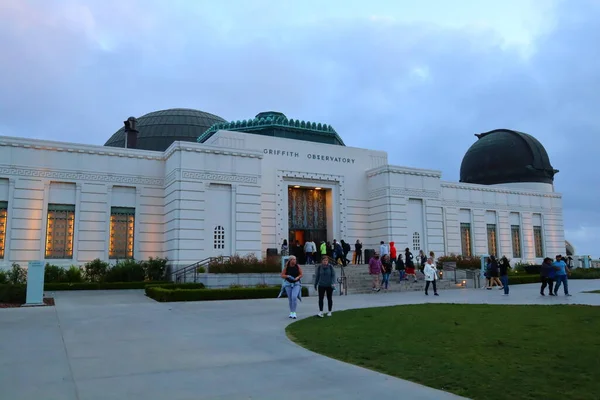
[(229, 195)]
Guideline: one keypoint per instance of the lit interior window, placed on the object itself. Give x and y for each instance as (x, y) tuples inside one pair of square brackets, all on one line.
[(60, 227), (122, 228), (3, 215)]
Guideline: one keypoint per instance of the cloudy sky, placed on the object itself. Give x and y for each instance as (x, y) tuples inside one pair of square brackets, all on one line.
[(416, 78)]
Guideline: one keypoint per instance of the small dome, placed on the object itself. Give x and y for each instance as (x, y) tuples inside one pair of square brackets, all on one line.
[(506, 156), (159, 129)]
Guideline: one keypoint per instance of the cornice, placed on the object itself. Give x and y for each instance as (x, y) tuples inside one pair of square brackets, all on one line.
[(208, 149), (482, 188), (391, 169), (66, 147)]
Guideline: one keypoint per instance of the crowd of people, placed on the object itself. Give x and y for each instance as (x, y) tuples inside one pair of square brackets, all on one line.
[(381, 266), (553, 274)]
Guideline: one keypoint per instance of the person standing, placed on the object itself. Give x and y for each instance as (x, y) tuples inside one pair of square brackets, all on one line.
[(324, 284), (375, 269), (358, 250), (561, 275), (422, 260), (410, 265), (387, 268), (292, 273), (383, 249), (547, 272), (504, 265), (430, 272), (285, 249), (393, 253)]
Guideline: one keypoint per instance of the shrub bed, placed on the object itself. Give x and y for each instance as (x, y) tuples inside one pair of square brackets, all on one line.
[(55, 287), (166, 293), (245, 265), (520, 279), (461, 262), (587, 273)]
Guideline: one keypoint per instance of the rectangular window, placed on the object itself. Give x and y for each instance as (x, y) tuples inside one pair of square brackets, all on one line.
[(492, 240), (465, 238), (59, 231), (515, 232), (537, 242), (3, 217), (122, 224)]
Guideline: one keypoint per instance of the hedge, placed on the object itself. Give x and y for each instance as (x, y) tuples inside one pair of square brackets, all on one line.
[(13, 294), (521, 279), (55, 287), (244, 265), (168, 294)]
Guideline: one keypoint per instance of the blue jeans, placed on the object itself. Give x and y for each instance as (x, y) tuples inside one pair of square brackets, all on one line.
[(386, 280), (561, 279), (401, 274), (292, 294), (504, 280)]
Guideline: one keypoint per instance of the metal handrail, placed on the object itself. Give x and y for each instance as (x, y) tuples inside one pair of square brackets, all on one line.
[(343, 281), (180, 275)]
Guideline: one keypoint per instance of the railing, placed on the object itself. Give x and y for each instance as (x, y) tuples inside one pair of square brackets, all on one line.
[(448, 268), (181, 275), (343, 281)]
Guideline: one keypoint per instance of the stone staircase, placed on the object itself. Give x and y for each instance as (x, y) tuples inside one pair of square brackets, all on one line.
[(359, 280)]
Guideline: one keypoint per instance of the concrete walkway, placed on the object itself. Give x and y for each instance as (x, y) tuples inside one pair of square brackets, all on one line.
[(120, 345)]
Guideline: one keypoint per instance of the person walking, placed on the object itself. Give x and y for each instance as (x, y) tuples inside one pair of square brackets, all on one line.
[(375, 269), (504, 266), (324, 284), (292, 274), (400, 268), (547, 272), (383, 249), (430, 272), (561, 275), (387, 268), (393, 253)]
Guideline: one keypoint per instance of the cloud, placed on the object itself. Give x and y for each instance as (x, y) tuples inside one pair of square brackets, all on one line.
[(417, 90)]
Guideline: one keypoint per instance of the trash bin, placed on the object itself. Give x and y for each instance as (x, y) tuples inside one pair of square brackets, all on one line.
[(368, 254)]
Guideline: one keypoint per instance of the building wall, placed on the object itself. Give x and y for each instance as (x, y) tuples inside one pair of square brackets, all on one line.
[(239, 182)]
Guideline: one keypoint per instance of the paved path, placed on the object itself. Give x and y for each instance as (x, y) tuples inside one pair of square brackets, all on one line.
[(121, 345)]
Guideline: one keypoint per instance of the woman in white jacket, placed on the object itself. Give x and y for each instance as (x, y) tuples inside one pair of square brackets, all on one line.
[(430, 272)]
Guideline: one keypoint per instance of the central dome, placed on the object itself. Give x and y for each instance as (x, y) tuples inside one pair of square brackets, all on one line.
[(159, 129), (276, 124), (506, 156)]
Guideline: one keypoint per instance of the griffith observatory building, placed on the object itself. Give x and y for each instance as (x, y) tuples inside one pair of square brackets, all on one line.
[(187, 185)]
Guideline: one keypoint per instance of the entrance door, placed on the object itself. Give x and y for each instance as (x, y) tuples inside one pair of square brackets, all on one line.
[(307, 215), (217, 227)]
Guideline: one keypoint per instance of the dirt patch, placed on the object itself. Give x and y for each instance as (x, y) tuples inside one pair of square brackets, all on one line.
[(48, 301)]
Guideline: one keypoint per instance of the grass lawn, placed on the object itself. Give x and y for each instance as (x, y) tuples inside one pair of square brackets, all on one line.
[(477, 351)]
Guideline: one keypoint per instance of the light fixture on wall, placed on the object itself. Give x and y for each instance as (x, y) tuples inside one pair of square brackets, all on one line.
[(297, 186), (317, 188)]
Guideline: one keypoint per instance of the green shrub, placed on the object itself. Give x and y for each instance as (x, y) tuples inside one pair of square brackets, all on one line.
[(200, 270), (126, 271), (585, 273), (73, 274), (461, 262), (56, 287), (155, 268), (244, 265), (54, 273), (95, 271), (17, 275), (3, 277), (164, 294), (13, 294), (520, 279)]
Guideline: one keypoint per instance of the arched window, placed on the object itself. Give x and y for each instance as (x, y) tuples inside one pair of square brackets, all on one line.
[(416, 241), (219, 239)]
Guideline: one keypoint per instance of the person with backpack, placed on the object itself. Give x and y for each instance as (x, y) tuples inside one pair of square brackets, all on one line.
[(291, 274), (325, 284)]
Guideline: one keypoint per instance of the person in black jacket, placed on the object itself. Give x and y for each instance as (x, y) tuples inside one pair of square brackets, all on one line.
[(504, 266), (358, 251), (386, 262)]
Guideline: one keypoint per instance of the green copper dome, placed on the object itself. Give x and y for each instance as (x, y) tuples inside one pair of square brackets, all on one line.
[(276, 124), (159, 129), (506, 156)]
